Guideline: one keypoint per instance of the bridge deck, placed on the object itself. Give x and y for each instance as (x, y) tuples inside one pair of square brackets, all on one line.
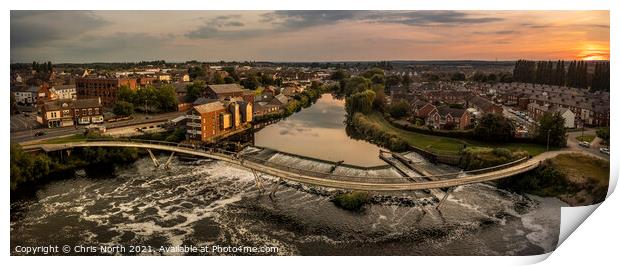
[(309, 177)]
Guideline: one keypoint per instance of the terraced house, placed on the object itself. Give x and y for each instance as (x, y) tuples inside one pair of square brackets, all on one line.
[(65, 112)]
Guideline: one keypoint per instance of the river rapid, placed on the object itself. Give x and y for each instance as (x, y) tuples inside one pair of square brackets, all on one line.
[(207, 203)]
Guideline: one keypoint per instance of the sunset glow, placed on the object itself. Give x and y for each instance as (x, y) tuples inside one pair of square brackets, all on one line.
[(104, 36)]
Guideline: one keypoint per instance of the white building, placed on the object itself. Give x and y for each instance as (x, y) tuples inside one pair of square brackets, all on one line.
[(67, 92), (568, 115), (26, 96)]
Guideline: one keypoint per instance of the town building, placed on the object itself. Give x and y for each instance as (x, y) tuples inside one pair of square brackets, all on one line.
[(220, 118), (64, 92), (222, 91), (104, 88), (25, 95), (536, 111), (67, 112)]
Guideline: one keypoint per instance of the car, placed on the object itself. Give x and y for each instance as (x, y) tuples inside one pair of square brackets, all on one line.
[(584, 144), (40, 133), (604, 150)]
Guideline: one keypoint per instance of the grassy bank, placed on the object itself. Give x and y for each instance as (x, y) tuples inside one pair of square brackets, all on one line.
[(574, 178), (586, 138), (447, 145)]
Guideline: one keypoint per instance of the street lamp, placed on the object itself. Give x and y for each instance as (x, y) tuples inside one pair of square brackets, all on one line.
[(548, 135)]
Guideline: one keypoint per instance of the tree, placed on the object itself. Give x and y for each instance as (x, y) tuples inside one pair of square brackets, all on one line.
[(458, 76), (251, 82), (552, 129), (603, 133), (339, 75), (392, 80), (360, 102), (194, 91), (406, 81), (379, 101), (494, 128), (378, 79), (146, 97), (123, 108), (167, 98), (126, 94), (399, 109), (374, 71), (356, 84), (217, 79), (229, 80)]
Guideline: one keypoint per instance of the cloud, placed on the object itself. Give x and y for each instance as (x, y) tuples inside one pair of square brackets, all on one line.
[(37, 28), (294, 19), (499, 32), (220, 27), (291, 20)]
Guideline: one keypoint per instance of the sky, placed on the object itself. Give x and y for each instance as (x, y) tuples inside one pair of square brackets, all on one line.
[(307, 35)]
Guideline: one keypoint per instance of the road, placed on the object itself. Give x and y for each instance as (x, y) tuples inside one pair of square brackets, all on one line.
[(573, 144), (28, 135)]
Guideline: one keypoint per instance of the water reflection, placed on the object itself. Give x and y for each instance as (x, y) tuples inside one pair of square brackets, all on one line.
[(319, 132)]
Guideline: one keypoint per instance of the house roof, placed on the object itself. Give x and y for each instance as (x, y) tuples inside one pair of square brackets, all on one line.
[(281, 98), (454, 112), (203, 100), (226, 88), (63, 87), (209, 107), (86, 103)]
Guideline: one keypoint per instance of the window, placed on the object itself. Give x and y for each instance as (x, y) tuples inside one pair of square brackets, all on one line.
[(90, 111), (96, 111), (83, 111)]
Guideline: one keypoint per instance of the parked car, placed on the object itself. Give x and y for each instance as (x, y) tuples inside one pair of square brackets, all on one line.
[(584, 144), (605, 150), (39, 133)]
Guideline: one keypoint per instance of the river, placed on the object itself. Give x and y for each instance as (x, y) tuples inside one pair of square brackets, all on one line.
[(319, 132), (212, 203)]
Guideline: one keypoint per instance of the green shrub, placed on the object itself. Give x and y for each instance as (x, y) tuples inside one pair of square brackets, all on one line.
[(353, 201)]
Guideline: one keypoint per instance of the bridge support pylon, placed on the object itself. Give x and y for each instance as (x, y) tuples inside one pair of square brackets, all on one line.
[(272, 195), (155, 161), (258, 181), (445, 196), (167, 164)]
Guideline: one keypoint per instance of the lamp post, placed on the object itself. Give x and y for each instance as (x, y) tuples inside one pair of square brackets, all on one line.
[(548, 135)]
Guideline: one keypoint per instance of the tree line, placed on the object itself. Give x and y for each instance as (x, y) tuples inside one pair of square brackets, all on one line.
[(574, 74), (148, 98)]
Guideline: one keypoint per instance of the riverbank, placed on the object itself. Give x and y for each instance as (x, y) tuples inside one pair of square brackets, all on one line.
[(574, 178), (446, 145), (33, 168)]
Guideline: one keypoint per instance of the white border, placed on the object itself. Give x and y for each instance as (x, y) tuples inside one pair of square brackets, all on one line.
[(591, 244)]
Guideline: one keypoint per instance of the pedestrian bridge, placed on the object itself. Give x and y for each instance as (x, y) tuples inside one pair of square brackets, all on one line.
[(325, 179)]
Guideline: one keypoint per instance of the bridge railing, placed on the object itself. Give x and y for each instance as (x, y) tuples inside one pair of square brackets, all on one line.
[(313, 173)]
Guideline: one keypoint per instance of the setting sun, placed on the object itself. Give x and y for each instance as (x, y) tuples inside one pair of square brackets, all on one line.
[(594, 52)]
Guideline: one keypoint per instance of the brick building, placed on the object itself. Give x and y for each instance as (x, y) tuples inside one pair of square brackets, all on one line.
[(208, 121), (104, 88)]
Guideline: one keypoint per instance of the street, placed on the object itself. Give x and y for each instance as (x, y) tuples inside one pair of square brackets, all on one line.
[(26, 134), (573, 143)]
